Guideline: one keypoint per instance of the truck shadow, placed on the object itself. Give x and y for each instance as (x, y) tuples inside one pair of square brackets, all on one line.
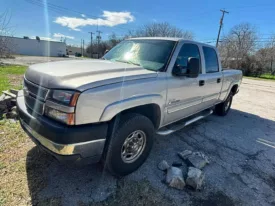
[(51, 183)]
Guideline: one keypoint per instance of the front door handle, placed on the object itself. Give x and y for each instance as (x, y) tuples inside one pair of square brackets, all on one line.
[(201, 82), (218, 80)]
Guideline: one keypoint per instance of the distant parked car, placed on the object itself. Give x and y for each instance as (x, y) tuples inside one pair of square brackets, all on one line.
[(78, 54)]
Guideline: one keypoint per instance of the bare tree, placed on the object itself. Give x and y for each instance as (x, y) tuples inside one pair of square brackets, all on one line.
[(114, 40), (270, 47), (238, 44), (161, 30), (5, 32)]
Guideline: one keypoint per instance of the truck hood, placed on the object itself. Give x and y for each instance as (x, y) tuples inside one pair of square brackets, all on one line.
[(84, 74)]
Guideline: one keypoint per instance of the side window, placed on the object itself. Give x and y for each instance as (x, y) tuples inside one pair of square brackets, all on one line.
[(211, 60), (187, 51)]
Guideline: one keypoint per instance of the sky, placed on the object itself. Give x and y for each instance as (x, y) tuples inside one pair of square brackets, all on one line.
[(73, 19)]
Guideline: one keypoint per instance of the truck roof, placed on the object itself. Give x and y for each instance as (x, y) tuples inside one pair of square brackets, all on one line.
[(172, 39)]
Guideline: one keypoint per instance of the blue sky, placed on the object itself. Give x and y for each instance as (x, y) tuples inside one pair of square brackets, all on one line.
[(30, 18)]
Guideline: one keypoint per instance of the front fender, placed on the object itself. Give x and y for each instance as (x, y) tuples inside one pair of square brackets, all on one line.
[(103, 103), (115, 108)]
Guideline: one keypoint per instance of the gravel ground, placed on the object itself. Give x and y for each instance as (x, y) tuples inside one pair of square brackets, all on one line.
[(241, 148), (28, 60)]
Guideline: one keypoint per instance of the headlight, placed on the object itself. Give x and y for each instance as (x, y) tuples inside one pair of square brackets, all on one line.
[(65, 97), (60, 105), (67, 118)]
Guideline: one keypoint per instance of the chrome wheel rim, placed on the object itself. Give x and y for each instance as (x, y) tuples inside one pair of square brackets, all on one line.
[(227, 104), (133, 146)]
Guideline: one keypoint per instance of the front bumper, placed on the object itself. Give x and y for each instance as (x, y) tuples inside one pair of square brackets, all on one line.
[(84, 143)]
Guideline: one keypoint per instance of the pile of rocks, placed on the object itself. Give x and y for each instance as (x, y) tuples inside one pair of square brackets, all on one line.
[(8, 104), (175, 177)]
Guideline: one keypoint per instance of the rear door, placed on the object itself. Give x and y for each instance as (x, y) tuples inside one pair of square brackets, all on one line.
[(212, 77)]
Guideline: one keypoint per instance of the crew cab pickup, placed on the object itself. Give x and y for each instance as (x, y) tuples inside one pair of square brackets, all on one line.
[(110, 109)]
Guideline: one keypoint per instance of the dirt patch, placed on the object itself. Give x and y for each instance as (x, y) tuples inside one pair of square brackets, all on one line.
[(136, 193), (15, 80), (214, 199)]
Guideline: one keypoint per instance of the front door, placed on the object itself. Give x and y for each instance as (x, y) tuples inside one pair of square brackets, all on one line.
[(185, 95)]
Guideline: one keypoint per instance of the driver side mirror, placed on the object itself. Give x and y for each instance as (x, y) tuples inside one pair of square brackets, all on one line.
[(192, 70)]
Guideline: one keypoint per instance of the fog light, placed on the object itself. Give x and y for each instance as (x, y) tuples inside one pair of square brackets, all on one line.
[(67, 118)]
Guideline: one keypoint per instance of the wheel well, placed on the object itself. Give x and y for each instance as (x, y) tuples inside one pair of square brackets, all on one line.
[(152, 111), (234, 89)]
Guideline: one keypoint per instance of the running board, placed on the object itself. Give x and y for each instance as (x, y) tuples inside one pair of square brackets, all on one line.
[(181, 124)]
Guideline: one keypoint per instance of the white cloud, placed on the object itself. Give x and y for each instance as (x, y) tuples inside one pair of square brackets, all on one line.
[(108, 19), (58, 35), (83, 15)]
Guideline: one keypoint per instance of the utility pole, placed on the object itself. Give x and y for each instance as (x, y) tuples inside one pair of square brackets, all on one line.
[(98, 40), (91, 44), (221, 24), (83, 48)]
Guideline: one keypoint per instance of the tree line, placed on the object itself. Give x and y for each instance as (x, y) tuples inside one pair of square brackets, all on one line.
[(163, 29), (241, 48)]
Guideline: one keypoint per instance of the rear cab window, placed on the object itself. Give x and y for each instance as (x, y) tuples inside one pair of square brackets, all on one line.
[(211, 60)]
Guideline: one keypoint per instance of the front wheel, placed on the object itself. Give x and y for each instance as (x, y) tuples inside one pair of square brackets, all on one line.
[(223, 108), (130, 144)]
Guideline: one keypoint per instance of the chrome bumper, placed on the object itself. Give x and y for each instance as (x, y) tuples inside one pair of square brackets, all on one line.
[(84, 149)]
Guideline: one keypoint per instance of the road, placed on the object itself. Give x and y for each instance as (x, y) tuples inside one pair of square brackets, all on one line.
[(29, 60), (241, 148)]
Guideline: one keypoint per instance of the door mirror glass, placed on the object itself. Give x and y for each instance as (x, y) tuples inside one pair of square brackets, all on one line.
[(191, 70), (193, 67)]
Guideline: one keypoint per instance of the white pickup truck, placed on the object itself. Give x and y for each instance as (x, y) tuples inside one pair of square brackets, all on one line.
[(110, 109)]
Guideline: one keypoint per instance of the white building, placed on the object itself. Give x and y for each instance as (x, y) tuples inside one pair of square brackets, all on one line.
[(35, 47)]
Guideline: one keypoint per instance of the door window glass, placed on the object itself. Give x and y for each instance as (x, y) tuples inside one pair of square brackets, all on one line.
[(211, 60)]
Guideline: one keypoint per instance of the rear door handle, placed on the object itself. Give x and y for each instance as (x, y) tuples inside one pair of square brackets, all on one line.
[(201, 82), (218, 80)]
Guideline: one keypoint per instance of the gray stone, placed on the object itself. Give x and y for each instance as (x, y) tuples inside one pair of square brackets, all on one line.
[(174, 178), (14, 91), (12, 115), (185, 154), (12, 121), (197, 161), (202, 155), (163, 165), (2, 97), (195, 178)]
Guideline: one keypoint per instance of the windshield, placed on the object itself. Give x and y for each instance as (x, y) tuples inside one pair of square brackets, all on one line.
[(150, 54)]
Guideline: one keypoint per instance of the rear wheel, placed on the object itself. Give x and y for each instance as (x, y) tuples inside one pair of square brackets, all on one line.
[(130, 144), (223, 108)]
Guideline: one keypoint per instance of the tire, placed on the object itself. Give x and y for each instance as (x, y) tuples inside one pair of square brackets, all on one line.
[(131, 127), (223, 108)]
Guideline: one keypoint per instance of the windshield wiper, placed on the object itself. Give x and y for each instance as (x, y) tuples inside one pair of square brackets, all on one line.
[(128, 62)]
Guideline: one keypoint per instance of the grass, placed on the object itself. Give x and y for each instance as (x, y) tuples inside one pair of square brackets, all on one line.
[(13, 150), (267, 76), (11, 76), (262, 77)]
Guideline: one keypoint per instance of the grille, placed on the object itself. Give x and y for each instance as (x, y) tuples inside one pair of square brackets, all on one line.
[(35, 96), (36, 90)]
